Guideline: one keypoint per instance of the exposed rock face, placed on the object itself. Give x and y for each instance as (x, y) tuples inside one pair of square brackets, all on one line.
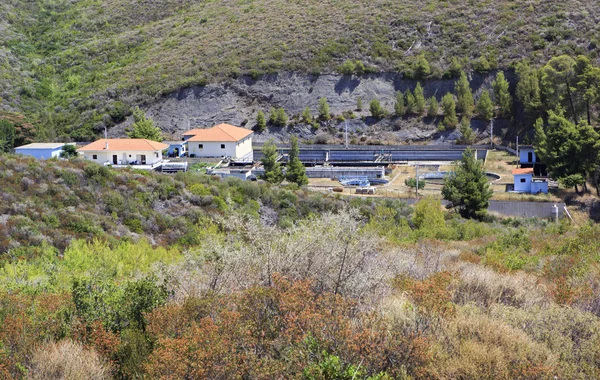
[(238, 101)]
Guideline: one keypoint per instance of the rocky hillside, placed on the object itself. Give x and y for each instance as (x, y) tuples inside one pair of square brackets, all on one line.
[(78, 65)]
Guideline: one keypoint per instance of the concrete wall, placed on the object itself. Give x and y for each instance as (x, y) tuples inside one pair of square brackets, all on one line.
[(125, 157), (320, 172), (523, 187), (214, 149), (524, 156), (40, 153)]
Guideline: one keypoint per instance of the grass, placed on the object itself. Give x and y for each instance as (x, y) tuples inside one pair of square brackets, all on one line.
[(78, 65)]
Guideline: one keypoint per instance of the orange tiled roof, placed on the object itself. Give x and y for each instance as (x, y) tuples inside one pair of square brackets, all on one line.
[(219, 133), (523, 171), (124, 145)]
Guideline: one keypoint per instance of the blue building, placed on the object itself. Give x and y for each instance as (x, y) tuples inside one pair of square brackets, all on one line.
[(528, 159), (41, 150), (177, 148)]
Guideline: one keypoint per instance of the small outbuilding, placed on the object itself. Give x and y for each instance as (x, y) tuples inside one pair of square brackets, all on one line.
[(525, 182), (125, 152), (41, 150), (222, 140)]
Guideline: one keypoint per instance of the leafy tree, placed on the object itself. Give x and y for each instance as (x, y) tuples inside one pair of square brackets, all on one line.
[(144, 127), (450, 118), (421, 67), (502, 94), (296, 172), (306, 115), (261, 121), (419, 99), (464, 95), (324, 109), (588, 84), (467, 188), (359, 104), (399, 108), (410, 103), (412, 183), (69, 151), (571, 152), (434, 107), (428, 215), (7, 136), (484, 106), (528, 89), (273, 173), (376, 109), (467, 136)]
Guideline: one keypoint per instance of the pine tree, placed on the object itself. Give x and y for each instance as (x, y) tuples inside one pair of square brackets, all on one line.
[(502, 95), (296, 172), (278, 117), (273, 173), (143, 127), (434, 107), (450, 119), (464, 95), (7, 136), (467, 188), (484, 106), (419, 99), (455, 68), (359, 104), (376, 109), (399, 106), (528, 90), (421, 68), (306, 115), (410, 103), (261, 121), (467, 136), (323, 109)]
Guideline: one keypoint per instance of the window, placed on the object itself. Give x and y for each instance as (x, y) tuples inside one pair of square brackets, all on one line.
[(200, 146), (156, 153), (94, 157), (222, 146), (522, 180)]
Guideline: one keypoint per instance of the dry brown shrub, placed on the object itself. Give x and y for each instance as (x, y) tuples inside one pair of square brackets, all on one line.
[(484, 287), (475, 346), (67, 360)]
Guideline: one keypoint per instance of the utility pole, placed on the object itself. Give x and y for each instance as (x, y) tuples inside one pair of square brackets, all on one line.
[(492, 134), (346, 126), (417, 179), (518, 157)]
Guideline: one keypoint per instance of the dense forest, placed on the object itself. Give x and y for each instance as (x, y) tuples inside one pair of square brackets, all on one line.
[(125, 274)]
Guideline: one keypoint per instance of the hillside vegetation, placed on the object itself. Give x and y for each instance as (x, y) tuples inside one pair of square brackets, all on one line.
[(75, 66), (115, 274)]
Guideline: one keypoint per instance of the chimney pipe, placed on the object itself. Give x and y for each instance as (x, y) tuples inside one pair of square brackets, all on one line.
[(106, 145)]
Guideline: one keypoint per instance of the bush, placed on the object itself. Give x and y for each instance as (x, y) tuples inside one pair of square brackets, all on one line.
[(376, 109)]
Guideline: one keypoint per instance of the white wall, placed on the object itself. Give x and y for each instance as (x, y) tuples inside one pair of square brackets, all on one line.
[(523, 187), (213, 149), (124, 156)]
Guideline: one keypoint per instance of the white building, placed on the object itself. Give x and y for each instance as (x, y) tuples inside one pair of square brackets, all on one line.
[(222, 140), (526, 183), (41, 150), (124, 152)]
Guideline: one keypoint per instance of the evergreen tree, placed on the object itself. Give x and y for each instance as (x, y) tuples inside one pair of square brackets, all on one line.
[(410, 103), (143, 127), (421, 67), (296, 172), (464, 95), (261, 121), (359, 104), (376, 109), (467, 188), (273, 173), (467, 136), (455, 68), (588, 84), (450, 119), (419, 99), (571, 152), (411, 182), (306, 115), (8, 135), (528, 90), (68, 151), (399, 108), (502, 95), (485, 108), (558, 82), (278, 117), (434, 107), (323, 109)]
